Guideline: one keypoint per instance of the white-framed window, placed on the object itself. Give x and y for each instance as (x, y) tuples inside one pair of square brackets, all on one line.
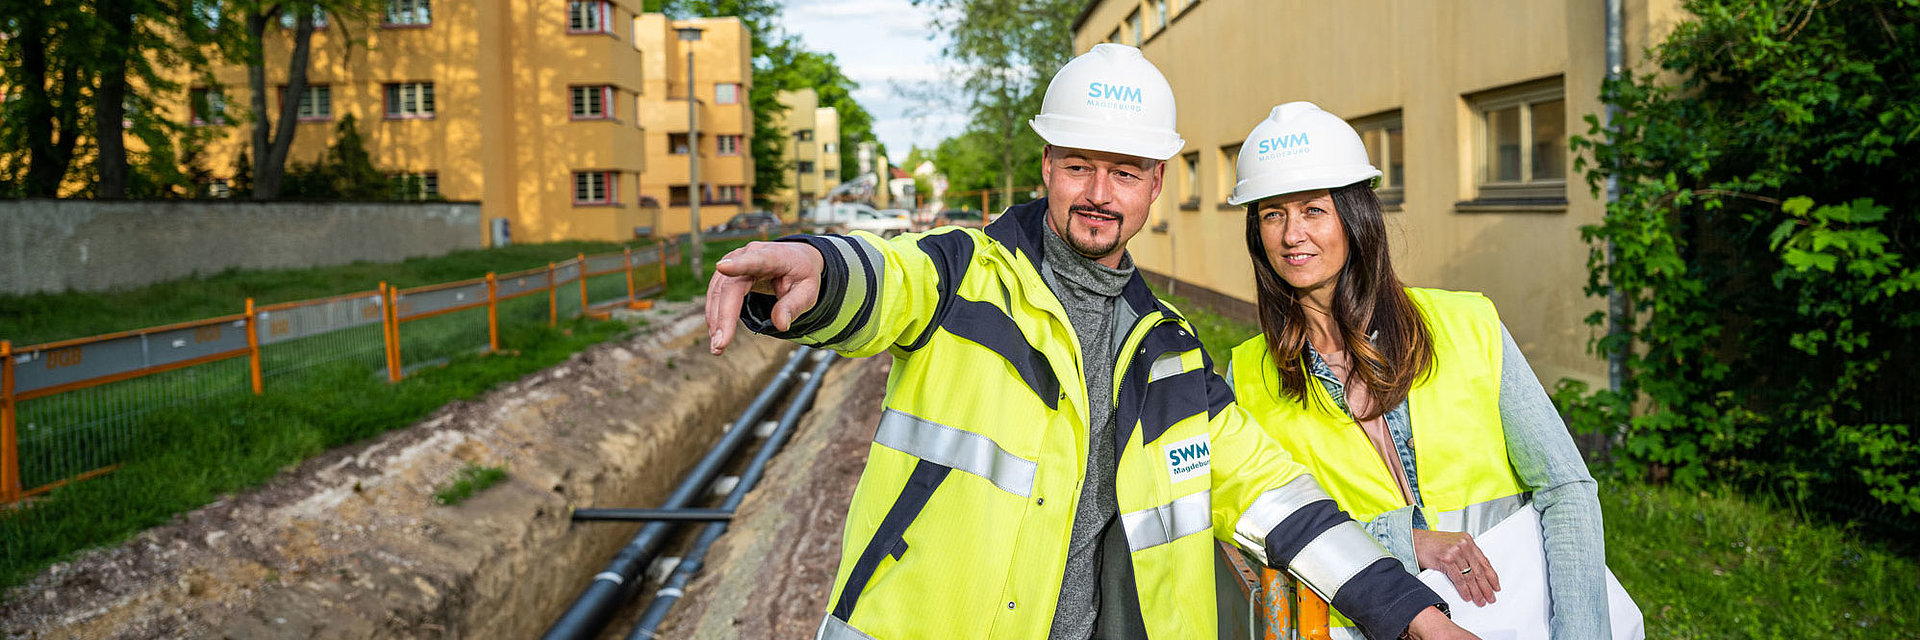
[(591, 102), (1384, 136), (420, 185), (209, 106), (596, 187), (409, 100), (726, 93), (1190, 180), (319, 18), (828, 147), (1520, 142), (316, 103), (726, 194), (589, 16), (1137, 27), (409, 13), (728, 145)]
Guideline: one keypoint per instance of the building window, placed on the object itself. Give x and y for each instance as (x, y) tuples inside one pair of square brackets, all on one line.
[(728, 145), (319, 18), (803, 135), (1229, 159), (1159, 15), (677, 144), (316, 103), (209, 107), (726, 93), (829, 174), (589, 16), (1114, 37), (596, 187), (1521, 142), (828, 147), (803, 166), (677, 195), (409, 100), (1190, 180), (1137, 27), (415, 186), (1384, 136), (592, 102), (726, 194), (409, 12)]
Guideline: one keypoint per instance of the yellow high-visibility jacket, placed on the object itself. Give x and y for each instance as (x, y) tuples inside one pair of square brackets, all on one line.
[(960, 524), (1466, 481)]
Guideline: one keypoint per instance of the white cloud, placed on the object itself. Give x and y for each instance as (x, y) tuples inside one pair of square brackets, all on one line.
[(884, 45)]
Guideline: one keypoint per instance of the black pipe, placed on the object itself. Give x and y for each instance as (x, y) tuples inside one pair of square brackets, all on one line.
[(674, 586), (650, 515), (613, 586)]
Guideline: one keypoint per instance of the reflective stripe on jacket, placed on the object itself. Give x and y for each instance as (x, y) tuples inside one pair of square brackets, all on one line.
[(1460, 448), (960, 523)]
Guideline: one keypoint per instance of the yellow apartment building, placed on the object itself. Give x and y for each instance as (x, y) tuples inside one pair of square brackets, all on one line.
[(813, 148), (1466, 105), (556, 116)]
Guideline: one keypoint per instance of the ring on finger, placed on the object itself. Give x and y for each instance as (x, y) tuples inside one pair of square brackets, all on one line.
[(1466, 571)]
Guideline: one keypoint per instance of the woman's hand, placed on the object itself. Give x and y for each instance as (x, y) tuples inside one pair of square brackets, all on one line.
[(1456, 555)]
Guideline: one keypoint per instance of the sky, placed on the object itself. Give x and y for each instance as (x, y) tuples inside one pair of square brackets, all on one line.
[(885, 45)]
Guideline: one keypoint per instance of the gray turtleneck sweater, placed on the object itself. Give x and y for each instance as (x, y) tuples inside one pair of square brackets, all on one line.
[(1088, 290)]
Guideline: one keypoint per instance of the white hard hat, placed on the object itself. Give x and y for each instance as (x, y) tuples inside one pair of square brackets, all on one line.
[(1300, 147), (1110, 99)]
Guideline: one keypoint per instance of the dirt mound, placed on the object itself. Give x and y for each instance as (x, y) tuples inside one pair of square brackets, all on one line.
[(351, 545)]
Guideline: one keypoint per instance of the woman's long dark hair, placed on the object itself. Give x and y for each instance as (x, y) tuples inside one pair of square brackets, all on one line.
[(1367, 299)]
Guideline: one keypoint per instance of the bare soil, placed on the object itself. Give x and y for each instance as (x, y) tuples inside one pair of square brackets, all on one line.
[(350, 544)]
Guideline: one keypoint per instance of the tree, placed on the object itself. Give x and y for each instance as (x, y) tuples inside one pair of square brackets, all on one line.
[(246, 43), (47, 49), (1763, 224), (1006, 51), (137, 38)]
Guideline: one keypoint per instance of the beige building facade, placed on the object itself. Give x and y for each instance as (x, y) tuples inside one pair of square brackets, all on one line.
[(813, 149), (555, 116), (1465, 105)]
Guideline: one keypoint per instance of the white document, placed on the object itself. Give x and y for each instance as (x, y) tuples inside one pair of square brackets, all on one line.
[(1520, 611)]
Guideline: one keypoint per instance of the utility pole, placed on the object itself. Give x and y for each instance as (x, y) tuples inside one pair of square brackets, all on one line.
[(691, 35)]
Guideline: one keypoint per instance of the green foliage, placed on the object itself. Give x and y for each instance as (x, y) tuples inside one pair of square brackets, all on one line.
[(1759, 234), (344, 172), (469, 480), (1006, 51)]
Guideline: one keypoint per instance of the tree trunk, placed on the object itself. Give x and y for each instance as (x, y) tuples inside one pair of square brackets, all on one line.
[(46, 164), (270, 150), (110, 101), (257, 102)]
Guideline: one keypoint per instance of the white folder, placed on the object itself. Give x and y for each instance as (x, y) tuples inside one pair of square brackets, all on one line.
[(1521, 608)]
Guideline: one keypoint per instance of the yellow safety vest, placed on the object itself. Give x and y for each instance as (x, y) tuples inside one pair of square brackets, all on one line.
[(1460, 448), (960, 522)]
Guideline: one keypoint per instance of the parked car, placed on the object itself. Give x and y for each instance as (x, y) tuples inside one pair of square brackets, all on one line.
[(879, 223), (960, 218), (753, 220)]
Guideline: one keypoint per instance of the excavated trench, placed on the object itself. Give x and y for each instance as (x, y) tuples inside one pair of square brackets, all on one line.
[(351, 544)]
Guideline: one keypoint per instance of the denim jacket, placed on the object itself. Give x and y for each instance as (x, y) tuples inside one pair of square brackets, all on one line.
[(1544, 457)]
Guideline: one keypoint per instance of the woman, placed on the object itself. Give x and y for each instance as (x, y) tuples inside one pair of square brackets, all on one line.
[(1411, 406)]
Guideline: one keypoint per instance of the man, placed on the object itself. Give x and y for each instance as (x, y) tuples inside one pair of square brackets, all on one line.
[(1055, 441)]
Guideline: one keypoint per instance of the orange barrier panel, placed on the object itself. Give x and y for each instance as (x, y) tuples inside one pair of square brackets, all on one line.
[(9, 442)]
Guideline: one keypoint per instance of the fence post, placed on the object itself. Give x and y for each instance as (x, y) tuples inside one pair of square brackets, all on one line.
[(553, 299), (253, 347), (983, 204), (628, 268), (9, 440), (662, 253), (1312, 613), (580, 264), (391, 319), (493, 313)]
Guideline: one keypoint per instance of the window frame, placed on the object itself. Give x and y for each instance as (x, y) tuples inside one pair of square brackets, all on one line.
[(392, 95), (684, 147), (719, 196), (320, 21), (1190, 181), (721, 142), (803, 166), (200, 103), (605, 94), (299, 106), (429, 183), (1228, 157), (609, 188), (602, 13), (1546, 192), (417, 8), (736, 92), (1391, 192)]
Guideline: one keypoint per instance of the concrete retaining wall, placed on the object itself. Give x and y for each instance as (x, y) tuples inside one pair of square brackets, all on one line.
[(88, 245)]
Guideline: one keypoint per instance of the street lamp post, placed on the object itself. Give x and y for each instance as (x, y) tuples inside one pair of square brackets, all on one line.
[(692, 34)]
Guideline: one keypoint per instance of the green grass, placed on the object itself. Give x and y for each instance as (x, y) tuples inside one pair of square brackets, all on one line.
[(1218, 334), (1717, 564), (1720, 564), (185, 457), (469, 480)]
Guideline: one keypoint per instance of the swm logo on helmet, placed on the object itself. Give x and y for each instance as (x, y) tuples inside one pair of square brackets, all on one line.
[(1114, 96), (1283, 146)]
